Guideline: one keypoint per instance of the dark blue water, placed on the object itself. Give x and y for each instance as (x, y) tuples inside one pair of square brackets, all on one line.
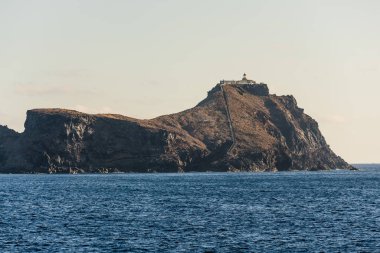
[(335, 211)]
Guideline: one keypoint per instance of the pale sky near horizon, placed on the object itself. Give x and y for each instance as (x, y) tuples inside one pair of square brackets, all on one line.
[(146, 58)]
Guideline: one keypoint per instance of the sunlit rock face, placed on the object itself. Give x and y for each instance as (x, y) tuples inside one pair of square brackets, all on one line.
[(238, 127)]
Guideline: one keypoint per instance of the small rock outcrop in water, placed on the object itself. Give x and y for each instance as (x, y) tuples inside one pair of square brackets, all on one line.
[(238, 127)]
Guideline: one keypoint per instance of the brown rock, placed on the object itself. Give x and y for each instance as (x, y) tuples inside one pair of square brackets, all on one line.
[(238, 127)]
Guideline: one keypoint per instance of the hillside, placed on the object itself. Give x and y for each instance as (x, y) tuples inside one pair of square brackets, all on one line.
[(240, 126)]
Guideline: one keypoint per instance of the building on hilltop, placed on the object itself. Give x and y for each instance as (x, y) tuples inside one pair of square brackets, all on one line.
[(244, 80)]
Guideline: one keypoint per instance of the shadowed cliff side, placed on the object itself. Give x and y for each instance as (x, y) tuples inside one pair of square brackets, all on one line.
[(238, 127)]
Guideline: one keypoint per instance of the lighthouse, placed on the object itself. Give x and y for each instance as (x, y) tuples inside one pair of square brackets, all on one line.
[(244, 80)]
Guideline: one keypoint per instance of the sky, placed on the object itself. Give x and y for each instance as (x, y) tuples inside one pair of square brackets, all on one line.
[(144, 58)]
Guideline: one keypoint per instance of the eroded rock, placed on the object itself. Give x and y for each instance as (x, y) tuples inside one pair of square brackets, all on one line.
[(271, 133)]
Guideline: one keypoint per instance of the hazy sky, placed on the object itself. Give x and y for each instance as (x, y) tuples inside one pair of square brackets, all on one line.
[(146, 58)]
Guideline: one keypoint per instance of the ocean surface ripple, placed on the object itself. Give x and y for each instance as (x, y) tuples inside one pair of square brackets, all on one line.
[(337, 211)]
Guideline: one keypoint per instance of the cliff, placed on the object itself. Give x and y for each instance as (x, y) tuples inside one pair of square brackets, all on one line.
[(238, 127)]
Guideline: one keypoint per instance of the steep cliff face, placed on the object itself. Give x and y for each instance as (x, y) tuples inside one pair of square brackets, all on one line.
[(8, 139), (271, 132), (238, 127), (60, 141)]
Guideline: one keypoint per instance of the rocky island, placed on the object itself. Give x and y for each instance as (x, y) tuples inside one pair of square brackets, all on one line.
[(240, 126)]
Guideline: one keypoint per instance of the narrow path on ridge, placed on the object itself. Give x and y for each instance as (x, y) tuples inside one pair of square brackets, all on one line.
[(229, 120)]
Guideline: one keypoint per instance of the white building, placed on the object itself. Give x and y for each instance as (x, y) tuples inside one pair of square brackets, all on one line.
[(244, 80)]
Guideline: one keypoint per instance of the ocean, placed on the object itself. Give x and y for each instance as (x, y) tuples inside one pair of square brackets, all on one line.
[(334, 211)]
